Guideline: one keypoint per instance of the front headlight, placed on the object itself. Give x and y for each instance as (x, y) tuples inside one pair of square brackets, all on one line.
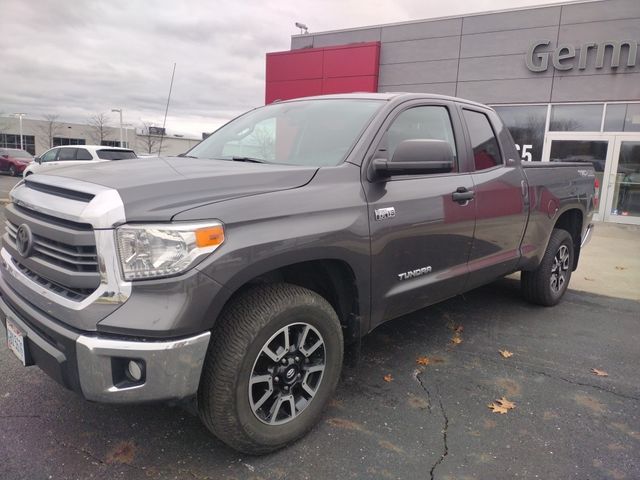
[(152, 251)]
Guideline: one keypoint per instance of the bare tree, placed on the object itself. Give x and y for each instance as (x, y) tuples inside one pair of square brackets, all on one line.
[(99, 124), (149, 140), (51, 128), (265, 139)]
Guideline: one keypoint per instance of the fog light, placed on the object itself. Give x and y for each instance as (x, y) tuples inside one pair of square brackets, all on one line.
[(135, 370)]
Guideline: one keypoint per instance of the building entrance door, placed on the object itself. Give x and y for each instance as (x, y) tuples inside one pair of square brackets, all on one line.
[(622, 197), (616, 160)]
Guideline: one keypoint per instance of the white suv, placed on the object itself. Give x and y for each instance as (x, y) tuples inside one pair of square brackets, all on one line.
[(75, 155)]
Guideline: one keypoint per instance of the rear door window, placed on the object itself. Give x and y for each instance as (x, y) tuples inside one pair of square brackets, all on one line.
[(83, 154), (486, 152), (67, 154), (106, 154)]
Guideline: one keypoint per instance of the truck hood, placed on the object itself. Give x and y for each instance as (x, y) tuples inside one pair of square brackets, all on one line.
[(156, 189)]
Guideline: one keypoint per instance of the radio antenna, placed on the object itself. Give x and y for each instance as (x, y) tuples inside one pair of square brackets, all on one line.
[(166, 110)]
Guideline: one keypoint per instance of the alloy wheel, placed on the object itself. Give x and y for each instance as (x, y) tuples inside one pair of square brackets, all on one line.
[(287, 373), (559, 269)]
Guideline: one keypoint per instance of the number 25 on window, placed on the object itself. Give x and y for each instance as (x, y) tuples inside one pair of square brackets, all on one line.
[(526, 154)]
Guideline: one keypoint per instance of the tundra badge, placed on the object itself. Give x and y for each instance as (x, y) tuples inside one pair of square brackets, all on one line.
[(414, 273), (384, 213)]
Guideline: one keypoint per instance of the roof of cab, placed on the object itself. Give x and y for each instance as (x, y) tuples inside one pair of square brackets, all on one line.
[(387, 96)]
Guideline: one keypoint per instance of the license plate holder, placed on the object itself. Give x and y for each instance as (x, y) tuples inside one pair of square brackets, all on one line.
[(16, 340)]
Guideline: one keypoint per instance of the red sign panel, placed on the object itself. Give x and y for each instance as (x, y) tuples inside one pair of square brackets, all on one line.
[(318, 71)]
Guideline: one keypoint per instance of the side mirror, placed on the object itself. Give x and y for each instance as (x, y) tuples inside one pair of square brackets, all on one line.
[(37, 159), (5, 155), (417, 157)]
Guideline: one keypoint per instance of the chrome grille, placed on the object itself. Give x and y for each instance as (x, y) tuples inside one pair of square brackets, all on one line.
[(75, 294), (75, 258), (63, 257)]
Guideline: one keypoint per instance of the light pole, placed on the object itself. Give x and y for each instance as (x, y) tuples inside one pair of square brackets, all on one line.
[(119, 110), (20, 115), (126, 133)]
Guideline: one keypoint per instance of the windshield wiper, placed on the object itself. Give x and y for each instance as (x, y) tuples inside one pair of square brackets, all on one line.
[(186, 156), (248, 159)]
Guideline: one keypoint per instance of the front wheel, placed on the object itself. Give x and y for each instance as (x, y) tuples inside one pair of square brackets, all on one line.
[(547, 284), (274, 361)]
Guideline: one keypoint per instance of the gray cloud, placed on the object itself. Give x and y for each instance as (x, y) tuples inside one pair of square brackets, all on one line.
[(76, 58)]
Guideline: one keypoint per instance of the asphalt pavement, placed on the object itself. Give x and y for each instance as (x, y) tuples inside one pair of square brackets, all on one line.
[(7, 182), (391, 417)]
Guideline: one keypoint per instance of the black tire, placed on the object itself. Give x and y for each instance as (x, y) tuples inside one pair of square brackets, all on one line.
[(12, 171), (28, 173), (547, 284), (239, 338)]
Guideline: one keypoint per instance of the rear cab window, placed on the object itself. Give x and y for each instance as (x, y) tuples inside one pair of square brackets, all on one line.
[(107, 154)]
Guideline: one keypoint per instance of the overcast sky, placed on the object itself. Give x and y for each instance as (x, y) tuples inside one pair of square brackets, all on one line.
[(75, 58)]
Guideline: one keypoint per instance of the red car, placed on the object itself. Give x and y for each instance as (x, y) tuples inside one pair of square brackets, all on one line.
[(14, 160)]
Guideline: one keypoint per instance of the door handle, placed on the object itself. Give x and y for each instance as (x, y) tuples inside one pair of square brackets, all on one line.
[(463, 195)]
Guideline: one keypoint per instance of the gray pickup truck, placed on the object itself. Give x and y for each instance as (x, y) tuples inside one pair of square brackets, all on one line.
[(236, 274)]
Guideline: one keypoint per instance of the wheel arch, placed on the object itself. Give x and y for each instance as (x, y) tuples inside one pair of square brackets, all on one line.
[(572, 221), (334, 279)]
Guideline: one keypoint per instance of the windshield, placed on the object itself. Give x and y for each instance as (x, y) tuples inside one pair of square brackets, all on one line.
[(308, 132)]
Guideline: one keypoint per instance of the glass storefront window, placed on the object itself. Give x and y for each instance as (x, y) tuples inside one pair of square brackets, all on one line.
[(626, 194), (575, 118), (526, 124), (622, 117)]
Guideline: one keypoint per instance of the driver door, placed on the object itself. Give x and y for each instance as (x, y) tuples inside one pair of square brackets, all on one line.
[(420, 236)]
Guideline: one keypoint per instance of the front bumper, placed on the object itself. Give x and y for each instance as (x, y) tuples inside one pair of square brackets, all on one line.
[(96, 366)]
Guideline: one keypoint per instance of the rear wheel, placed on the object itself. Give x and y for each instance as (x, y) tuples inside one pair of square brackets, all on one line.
[(547, 284), (12, 171), (274, 360)]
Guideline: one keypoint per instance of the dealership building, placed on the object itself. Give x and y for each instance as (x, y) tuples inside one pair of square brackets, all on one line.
[(564, 78)]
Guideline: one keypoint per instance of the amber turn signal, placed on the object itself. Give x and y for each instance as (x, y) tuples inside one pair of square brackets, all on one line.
[(209, 236)]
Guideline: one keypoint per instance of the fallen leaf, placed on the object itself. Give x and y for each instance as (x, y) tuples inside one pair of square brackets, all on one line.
[(588, 279), (599, 373), (620, 268), (456, 340), (388, 377), (495, 408), (423, 361), (506, 403), (502, 406), (506, 353)]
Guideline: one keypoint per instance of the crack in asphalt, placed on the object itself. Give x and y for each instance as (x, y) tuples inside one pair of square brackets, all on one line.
[(19, 416), (424, 387), (531, 369), (85, 451), (445, 429), (94, 457), (574, 382)]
